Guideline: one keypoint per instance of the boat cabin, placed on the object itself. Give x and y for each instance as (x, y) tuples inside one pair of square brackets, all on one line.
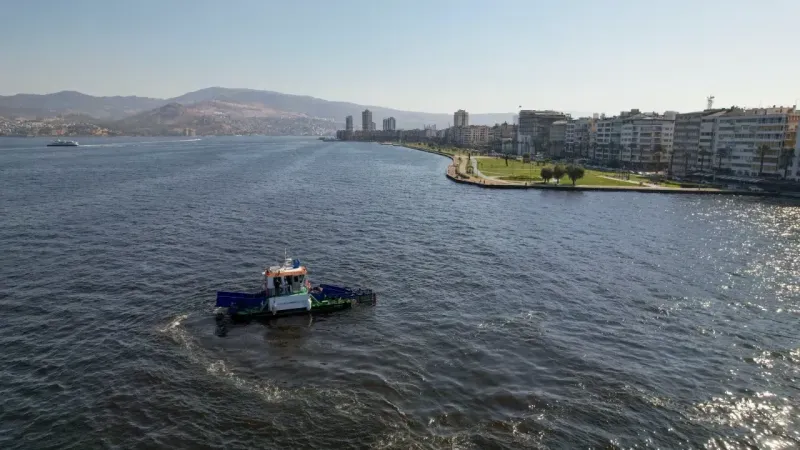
[(288, 279)]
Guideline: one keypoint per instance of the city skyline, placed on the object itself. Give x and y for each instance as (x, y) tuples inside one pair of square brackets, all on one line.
[(582, 58)]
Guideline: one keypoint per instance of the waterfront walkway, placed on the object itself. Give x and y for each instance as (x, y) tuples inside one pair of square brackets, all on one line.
[(457, 171)]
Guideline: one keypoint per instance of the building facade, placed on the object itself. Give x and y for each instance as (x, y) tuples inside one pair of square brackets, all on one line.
[(647, 140), (557, 138), (473, 135), (366, 120), (580, 137), (755, 142), (534, 129), (692, 141), (348, 123), (461, 118)]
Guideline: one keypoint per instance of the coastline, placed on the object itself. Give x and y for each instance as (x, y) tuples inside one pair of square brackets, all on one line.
[(455, 174)]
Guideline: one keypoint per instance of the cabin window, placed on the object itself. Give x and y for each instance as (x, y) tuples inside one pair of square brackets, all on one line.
[(295, 278)]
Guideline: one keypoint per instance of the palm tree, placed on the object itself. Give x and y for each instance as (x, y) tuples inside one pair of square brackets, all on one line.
[(641, 157), (721, 152), (762, 153), (671, 158), (787, 155), (685, 161), (657, 158), (703, 154)]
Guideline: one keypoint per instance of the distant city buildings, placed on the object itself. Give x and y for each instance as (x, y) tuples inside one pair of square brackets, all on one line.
[(348, 123), (722, 142)]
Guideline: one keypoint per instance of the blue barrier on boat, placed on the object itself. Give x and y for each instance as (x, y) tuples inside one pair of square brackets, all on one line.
[(295, 264), (240, 299)]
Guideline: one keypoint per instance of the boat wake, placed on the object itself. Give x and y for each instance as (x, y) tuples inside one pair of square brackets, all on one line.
[(176, 331), (135, 143)]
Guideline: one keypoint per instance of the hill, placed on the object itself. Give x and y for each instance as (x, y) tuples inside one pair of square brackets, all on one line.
[(314, 107), (311, 108), (217, 117), (74, 103)]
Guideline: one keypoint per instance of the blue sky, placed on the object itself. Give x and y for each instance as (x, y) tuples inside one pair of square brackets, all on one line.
[(422, 55)]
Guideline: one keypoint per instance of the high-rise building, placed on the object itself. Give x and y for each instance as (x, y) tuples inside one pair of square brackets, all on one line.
[(389, 124), (461, 118), (372, 126), (366, 120), (348, 123)]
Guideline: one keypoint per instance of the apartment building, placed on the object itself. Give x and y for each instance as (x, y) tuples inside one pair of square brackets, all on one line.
[(756, 142), (607, 135), (646, 139), (461, 118), (473, 135), (557, 138), (794, 171), (348, 123), (580, 137), (534, 129), (693, 140)]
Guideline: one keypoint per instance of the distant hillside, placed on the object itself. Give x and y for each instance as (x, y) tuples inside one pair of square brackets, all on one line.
[(220, 118), (69, 102), (314, 107), (115, 108)]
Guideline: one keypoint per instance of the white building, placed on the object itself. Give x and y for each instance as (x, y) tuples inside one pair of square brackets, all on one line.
[(580, 136), (647, 139), (756, 142), (474, 135)]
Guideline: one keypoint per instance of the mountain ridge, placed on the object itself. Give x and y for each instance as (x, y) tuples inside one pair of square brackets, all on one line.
[(115, 108)]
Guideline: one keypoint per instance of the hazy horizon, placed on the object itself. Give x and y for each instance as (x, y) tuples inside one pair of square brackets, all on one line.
[(579, 57)]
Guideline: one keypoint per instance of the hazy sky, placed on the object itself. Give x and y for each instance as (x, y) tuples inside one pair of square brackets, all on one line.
[(423, 55)]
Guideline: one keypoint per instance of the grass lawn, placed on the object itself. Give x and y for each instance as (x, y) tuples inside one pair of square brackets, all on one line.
[(519, 171)]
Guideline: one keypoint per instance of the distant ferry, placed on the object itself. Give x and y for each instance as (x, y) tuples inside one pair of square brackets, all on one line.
[(60, 143)]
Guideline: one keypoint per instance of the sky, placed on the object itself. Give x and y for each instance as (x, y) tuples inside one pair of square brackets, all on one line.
[(417, 55)]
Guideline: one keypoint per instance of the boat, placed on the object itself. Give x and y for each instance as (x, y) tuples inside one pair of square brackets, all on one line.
[(60, 143), (286, 290)]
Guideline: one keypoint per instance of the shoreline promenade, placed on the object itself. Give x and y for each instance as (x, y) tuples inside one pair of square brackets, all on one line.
[(457, 172)]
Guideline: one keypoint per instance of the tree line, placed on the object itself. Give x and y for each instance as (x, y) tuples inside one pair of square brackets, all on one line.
[(557, 172)]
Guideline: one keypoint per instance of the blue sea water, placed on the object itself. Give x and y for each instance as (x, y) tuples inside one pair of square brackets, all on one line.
[(505, 319)]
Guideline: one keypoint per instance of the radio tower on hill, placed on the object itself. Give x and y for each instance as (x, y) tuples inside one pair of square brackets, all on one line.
[(709, 102)]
